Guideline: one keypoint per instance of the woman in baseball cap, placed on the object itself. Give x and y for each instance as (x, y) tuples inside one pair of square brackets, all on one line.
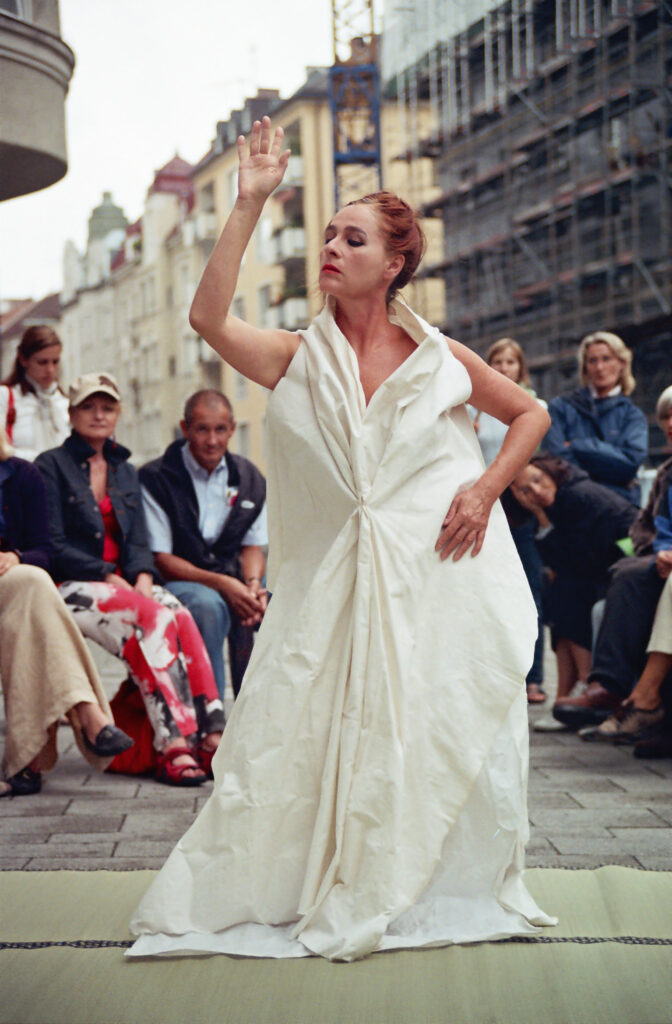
[(104, 570)]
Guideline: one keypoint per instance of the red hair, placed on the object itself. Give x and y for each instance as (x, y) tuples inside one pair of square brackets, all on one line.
[(402, 232)]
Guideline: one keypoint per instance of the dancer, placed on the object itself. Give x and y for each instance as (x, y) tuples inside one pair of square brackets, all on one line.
[(369, 788)]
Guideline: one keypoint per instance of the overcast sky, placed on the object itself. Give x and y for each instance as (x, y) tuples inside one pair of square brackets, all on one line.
[(151, 79)]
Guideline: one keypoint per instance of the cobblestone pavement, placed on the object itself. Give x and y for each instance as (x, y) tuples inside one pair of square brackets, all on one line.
[(589, 805)]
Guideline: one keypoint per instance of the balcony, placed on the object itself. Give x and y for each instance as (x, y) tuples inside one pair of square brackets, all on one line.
[(35, 70), (290, 244), (205, 226), (289, 314)]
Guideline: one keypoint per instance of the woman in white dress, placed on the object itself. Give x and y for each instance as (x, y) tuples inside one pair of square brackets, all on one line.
[(33, 408), (370, 786)]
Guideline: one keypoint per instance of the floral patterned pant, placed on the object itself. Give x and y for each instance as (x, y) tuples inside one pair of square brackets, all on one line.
[(159, 641)]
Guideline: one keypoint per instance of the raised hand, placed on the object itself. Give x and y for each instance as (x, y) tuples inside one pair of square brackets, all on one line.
[(262, 167)]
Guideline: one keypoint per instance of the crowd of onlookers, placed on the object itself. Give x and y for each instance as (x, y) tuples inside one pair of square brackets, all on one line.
[(163, 565), (599, 566), (163, 600)]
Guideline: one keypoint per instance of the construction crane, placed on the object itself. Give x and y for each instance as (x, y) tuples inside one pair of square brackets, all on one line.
[(354, 93)]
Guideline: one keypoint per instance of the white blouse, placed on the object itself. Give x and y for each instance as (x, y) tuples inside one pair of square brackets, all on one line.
[(41, 421)]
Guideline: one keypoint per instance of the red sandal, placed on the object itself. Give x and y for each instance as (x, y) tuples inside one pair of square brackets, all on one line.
[(174, 774)]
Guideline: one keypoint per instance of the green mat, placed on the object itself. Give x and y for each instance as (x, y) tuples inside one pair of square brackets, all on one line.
[(63, 935)]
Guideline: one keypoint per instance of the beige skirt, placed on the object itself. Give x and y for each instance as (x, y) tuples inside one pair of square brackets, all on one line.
[(45, 669)]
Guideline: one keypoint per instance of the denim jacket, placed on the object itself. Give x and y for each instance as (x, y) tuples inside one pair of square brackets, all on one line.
[(75, 521)]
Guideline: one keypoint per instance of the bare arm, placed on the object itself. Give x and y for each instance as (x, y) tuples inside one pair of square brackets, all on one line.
[(263, 355), (468, 515), (253, 564)]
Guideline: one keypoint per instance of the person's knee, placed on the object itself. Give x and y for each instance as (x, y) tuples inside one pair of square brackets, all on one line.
[(31, 577), (206, 606)]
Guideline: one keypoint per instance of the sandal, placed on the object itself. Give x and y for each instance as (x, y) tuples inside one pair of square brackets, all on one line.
[(174, 774), (535, 694), (24, 783)]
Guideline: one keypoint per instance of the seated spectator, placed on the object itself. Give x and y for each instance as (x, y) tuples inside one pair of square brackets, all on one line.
[(206, 520), (507, 357), (33, 409), (46, 668), (632, 599), (103, 568), (580, 524), (597, 427), (640, 717)]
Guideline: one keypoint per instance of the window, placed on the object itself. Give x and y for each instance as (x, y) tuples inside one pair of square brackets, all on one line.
[(242, 436), (206, 198), (240, 386), (264, 305)]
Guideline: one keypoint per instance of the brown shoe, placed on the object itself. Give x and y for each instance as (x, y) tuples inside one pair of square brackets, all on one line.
[(630, 724), (589, 708)]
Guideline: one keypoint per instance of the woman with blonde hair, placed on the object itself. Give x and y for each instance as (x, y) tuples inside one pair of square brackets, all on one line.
[(597, 427), (46, 667), (33, 408)]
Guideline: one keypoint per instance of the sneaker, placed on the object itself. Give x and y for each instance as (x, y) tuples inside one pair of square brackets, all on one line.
[(629, 724), (548, 724)]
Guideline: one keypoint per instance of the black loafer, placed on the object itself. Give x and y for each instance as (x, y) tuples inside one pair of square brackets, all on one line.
[(109, 742), (24, 783)]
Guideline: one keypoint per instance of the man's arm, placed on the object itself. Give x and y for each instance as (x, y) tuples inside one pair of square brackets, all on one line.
[(245, 600), (253, 564)]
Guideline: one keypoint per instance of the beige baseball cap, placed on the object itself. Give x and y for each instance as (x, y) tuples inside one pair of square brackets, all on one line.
[(93, 384)]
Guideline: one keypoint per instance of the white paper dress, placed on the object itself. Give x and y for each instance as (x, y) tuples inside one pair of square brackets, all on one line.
[(370, 788)]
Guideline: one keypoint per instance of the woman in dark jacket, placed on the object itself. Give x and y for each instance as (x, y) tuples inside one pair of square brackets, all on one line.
[(580, 525), (103, 568), (46, 668), (598, 427)]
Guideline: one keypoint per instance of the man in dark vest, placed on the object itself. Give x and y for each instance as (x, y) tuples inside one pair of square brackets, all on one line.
[(206, 520)]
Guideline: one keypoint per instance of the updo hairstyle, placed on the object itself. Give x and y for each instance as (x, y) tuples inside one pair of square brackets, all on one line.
[(402, 232)]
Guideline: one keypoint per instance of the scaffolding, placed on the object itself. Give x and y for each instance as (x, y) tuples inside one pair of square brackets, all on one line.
[(551, 136), (354, 99)]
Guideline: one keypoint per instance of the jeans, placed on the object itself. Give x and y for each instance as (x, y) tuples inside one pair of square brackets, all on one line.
[(212, 616)]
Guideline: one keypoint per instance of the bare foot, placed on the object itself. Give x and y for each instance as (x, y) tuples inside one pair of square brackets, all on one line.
[(192, 767)]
